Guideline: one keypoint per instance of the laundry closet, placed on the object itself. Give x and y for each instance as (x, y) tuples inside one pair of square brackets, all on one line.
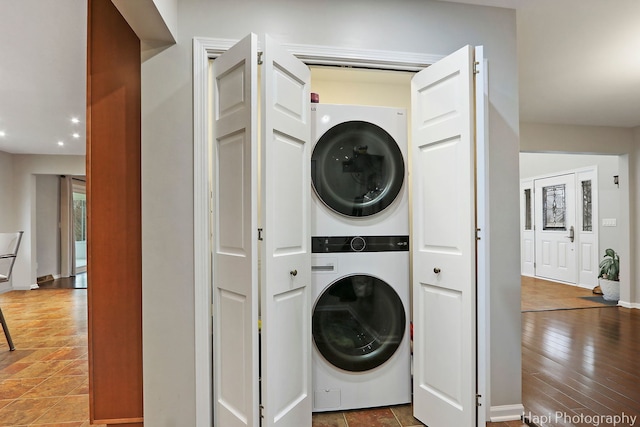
[(310, 224), (360, 238)]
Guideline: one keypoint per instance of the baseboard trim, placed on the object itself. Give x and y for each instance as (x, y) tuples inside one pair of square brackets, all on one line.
[(111, 421), (506, 413), (626, 304)]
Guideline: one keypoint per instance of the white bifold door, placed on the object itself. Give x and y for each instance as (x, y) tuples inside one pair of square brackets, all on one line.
[(279, 151), (444, 241), (260, 170)]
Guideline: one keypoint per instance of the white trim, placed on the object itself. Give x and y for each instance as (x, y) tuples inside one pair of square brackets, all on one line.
[(329, 55), (506, 413), (632, 305), (201, 230), (381, 59), (205, 49), (483, 299)]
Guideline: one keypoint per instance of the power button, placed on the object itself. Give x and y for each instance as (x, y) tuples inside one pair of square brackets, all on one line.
[(358, 244)]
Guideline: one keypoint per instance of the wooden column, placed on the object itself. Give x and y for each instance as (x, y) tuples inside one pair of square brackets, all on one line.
[(114, 218)]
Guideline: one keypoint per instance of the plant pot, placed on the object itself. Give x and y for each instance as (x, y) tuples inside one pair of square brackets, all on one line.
[(610, 289)]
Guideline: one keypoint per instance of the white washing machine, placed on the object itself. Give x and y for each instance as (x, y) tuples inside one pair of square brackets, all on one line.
[(359, 170), (361, 353)]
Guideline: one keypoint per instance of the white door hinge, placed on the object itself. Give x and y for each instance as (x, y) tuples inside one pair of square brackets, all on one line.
[(478, 397), (478, 230), (260, 234), (259, 58), (476, 67)]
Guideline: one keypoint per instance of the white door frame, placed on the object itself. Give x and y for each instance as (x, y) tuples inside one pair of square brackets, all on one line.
[(584, 266), (205, 49)]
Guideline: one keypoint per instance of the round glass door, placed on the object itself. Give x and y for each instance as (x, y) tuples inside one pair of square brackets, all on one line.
[(358, 323), (357, 168)]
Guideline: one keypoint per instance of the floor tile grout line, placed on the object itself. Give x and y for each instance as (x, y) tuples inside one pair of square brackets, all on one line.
[(395, 416)]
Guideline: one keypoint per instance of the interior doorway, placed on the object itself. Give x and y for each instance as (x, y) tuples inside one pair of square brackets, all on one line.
[(79, 219), (569, 212)]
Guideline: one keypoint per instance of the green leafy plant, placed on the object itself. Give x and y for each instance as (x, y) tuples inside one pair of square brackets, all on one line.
[(610, 265)]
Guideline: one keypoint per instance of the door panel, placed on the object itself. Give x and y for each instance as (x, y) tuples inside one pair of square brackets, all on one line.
[(527, 233), (286, 256), (555, 221), (444, 249), (235, 249), (587, 228)]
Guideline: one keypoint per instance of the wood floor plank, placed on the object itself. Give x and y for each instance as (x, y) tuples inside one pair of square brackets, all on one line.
[(582, 362), (584, 392)]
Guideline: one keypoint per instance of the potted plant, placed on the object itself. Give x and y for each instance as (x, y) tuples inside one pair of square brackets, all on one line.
[(609, 276)]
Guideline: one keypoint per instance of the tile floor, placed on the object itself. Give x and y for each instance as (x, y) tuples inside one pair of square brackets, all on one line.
[(395, 416), (44, 382)]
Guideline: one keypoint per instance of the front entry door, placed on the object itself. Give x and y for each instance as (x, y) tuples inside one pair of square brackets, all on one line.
[(555, 228), (444, 248)]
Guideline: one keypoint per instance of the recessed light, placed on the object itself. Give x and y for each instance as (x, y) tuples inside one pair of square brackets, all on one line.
[(75, 120), (60, 143), (2, 133), (76, 135)]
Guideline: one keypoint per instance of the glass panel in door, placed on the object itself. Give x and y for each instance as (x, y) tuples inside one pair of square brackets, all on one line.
[(80, 227), (357, 169), (358, 323)]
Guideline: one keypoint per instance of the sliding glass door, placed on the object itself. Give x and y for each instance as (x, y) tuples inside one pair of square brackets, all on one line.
[(80, 225)]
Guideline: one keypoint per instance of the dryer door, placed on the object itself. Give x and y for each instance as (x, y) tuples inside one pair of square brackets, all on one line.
[(358, 323), (357, 168)]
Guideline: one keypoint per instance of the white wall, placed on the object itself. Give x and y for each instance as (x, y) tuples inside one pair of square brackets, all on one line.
[(25, 168), (47, 229), (623, 142), (423, 26), (337, 85), (6, 197), (6, 192)]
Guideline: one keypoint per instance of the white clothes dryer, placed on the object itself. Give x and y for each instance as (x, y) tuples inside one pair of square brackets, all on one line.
[(359, 170), (361, 353)]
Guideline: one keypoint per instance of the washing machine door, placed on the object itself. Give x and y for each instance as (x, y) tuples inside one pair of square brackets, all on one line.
[(358, 323), (357, 168)]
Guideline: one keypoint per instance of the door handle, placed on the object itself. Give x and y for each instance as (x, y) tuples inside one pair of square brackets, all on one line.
[(571, 235), (293, 273), (436, 270)]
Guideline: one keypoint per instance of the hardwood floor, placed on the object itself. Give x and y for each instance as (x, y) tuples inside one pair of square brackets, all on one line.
[(395, 416), (582, 365), (543, 295), (78, 281), (575, 362)]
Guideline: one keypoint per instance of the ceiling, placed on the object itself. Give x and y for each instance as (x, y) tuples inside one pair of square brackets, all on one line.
[(579, 63), (42, 76)]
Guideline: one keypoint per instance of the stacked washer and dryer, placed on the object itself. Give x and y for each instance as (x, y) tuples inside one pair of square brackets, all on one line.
[(360, 257)]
